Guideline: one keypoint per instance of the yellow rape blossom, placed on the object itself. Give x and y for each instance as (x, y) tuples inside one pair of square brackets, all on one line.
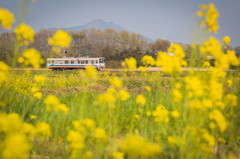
[(134, 145), (226, 40), (148, 60), (100, 134), (40, 79), (169, 63), (131, 63), (124, 95), (75, 139), (210, 16), (6, 18), (219, 118), (160, 114), (24, 32), (141, 100), (148, 88), (106, 99), (53, 101), (4, 72), (118, 155), (175, 114), (116, 82), (15, 146), (32, 57), (43, 129), (33, 117), (89, 123), (38, 95), (60, 38)]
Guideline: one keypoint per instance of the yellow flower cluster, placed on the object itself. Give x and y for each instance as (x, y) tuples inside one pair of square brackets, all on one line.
[(141, 100), (15, 135), (60, 38), (169, 63), (209, 15), (31, 57), (84, 131), (24, 32), (130, 63), (136, 146), (223, 61), (161, 114), (116, 82), (89, 74), (6, 18), (53, 101), (148, 60), (218, 117), (4, 72), (36, 93), (226, 40)]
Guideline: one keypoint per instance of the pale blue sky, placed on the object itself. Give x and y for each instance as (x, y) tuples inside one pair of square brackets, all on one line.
[(173, 20)]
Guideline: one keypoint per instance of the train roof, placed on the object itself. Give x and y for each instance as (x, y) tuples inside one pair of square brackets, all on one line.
[(76, 58)]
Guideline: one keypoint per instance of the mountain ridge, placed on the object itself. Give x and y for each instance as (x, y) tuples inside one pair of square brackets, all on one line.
[(99, 24)]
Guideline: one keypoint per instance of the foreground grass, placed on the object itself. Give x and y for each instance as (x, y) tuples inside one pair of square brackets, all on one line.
[(125, 118)]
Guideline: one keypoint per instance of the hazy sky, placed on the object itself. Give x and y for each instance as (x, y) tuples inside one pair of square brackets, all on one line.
[(174, 20)]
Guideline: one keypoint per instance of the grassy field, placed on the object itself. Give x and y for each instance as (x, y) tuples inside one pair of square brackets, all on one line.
[(100, 122)]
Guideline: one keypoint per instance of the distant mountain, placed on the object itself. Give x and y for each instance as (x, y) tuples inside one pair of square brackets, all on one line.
[(98, 24)]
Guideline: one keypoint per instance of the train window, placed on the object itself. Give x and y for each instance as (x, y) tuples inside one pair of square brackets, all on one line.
[(92, 62), (100, 60), (97, 61), (82, 62), (72, 62), (86, 62), (78, 62), (103, 60), (52, 61), (66, 62)]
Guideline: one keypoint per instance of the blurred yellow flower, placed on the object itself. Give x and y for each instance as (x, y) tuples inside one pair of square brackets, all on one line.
[(141, 100), (219, 118), (160, 114), (75, 139), (116, 82), (131, 63), (38, 95), (124, 95), (118, 155), (226, 40), (148, 88), (60, 38), (15, 146), (32, 57), (148, 60), (106, 99), (43, 129), (4, 72), (89, 123), (33, 117), (100, 134), (40, 79), (135, 146), (6, 18), (175, 114), (24, 32)]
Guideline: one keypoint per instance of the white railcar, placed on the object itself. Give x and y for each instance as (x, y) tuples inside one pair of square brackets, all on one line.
[(75, 63)]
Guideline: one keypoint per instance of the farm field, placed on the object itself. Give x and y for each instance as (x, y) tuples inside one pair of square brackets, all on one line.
[(109, 122)]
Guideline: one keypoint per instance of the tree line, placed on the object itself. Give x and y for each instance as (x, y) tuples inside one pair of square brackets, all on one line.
[(114, 45)]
